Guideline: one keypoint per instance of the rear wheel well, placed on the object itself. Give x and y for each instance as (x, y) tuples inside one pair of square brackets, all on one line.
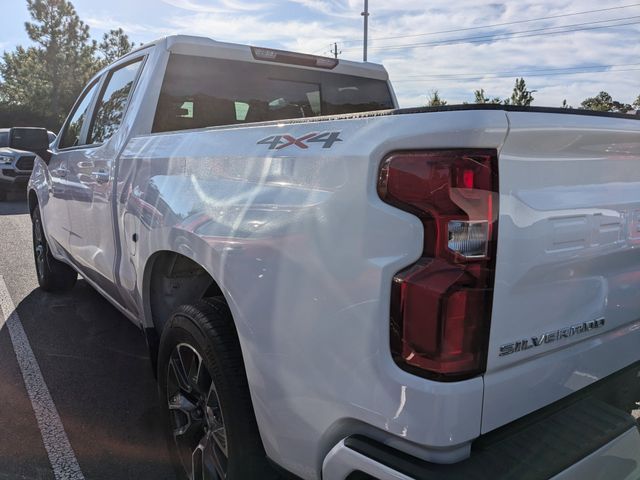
[(173, 280)]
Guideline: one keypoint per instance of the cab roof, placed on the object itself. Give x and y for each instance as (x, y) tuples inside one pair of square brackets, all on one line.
[(207, 47)]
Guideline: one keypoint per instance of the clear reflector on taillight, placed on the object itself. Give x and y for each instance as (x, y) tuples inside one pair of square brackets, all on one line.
[(441, 305), (469, 239)]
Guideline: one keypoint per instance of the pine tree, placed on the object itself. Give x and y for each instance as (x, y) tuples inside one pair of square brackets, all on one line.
[(43, 80), (114, 45), (521, 96), (65, 49), (435, 100), (480, 97), (604, 102)]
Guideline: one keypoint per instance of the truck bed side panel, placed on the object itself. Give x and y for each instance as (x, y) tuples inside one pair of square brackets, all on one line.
[(305, 252)]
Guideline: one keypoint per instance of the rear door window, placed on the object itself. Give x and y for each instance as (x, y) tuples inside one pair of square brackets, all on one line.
[(113, 102), (204, 92), (71, 135)]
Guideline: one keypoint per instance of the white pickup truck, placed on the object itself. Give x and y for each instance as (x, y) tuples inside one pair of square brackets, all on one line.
[(334, 288)]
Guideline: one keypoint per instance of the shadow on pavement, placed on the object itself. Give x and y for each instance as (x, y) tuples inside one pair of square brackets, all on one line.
[(95, 364), (14, 206)]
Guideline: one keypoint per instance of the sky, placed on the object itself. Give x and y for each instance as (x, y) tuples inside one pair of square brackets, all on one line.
[(451, 46)]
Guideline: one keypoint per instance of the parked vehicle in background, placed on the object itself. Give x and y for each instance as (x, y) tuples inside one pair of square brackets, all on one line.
[(350, 290), (15, 164)]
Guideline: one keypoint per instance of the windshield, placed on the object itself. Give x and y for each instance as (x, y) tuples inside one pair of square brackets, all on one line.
[(203, 92)]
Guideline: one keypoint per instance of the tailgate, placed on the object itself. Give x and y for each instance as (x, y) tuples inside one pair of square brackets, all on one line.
[(566, 309)]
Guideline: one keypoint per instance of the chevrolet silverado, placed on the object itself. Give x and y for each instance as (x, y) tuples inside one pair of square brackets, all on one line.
[(332, 287)]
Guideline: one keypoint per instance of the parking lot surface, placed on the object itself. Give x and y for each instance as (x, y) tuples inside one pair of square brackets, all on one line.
[(95, 386)]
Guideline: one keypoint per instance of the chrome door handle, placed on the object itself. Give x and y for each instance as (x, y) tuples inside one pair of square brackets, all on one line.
[(101, 176)]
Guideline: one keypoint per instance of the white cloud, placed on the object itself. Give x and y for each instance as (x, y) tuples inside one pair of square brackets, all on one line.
[(271, 27), (331, 8), (594, 47), (136, 31), (245, 6), (311, 25), (221, 7)]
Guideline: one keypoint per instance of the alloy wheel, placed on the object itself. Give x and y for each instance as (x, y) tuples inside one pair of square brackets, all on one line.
[(39, 247), (195, 416)]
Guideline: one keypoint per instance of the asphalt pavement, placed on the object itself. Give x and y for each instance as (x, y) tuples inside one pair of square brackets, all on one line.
[(94, 369)]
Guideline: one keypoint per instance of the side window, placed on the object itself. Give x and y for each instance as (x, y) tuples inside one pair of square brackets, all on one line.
[(112, 102), (70, 137)]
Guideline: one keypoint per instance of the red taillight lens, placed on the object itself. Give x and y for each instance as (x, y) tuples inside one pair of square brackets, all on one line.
[(441, 305)]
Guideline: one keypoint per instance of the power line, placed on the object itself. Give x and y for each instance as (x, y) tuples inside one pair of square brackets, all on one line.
[(482, 38), (508, 36), (500, 24), (519, 72), (514, 76)]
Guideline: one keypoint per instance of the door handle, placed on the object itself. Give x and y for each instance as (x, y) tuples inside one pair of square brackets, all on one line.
[(101, 176)]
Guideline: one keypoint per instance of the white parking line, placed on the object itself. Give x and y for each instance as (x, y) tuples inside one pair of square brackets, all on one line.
[(63, 459)]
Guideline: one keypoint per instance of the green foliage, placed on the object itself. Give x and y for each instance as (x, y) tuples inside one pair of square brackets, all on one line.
[(603, 102), (114, 45), (520, 96), (480, 97), (43, 80), (435, 100), (15, 68)]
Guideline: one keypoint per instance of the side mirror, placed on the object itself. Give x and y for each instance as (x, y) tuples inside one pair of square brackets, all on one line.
[(31, 139)]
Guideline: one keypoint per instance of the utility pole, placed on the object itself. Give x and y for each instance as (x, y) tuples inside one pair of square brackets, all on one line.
[(335, 51), (365, 14)]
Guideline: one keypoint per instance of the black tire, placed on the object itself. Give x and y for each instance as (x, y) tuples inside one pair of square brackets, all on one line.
[(53, 275), (211, 410)]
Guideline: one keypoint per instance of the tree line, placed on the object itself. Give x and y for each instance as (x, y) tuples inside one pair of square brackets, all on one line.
[(522, 96), (40, 82)]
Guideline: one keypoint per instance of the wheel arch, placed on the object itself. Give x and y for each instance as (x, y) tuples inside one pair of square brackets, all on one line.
[(165, 269), (172, 279)]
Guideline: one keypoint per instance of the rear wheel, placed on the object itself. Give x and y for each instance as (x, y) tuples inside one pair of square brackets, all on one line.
[(203, 387), (53, 275)]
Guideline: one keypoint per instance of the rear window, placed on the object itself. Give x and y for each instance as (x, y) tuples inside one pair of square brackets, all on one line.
[(205, 92)]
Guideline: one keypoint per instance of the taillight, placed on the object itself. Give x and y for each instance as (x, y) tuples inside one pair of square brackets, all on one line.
[(441, 305)]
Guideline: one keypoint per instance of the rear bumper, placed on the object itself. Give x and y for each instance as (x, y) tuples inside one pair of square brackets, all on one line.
[(586, 433), (619, 459)]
